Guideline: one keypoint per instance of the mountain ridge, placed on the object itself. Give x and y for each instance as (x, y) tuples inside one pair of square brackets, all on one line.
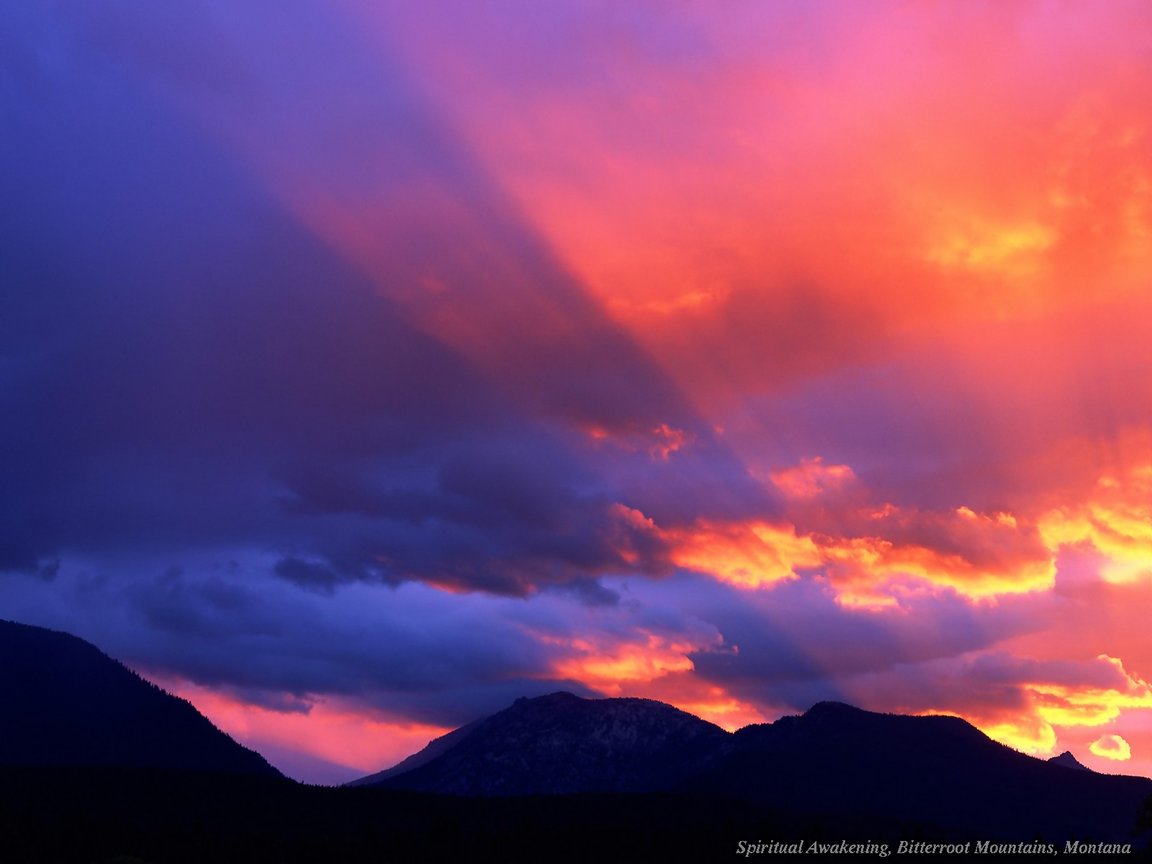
[(79, 707), (81, 718), (834, 761)]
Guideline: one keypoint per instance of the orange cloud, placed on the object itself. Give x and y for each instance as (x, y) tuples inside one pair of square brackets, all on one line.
[(652, 666), (812, 479), (980, 555), (748, 555), (1111, 747), (610, 669), (868, 568), (1116, 521)]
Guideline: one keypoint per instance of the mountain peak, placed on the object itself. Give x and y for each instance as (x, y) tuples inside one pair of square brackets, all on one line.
[(1067, 760), (561, 743)]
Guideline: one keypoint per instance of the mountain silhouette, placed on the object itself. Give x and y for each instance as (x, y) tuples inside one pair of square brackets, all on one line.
[(938, 771), (1067, 760), (835, 763), (67, 704), (560, 744)]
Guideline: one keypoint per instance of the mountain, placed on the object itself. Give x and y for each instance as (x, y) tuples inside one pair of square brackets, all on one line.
[(69, 705), (562, 744), (933, 771), (1067, 760), (835, 765)]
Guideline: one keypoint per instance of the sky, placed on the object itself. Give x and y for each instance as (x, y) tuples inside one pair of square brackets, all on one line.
[(366, 366)]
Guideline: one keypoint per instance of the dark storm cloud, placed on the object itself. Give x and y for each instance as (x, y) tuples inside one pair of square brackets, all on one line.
[(185, 366), (412, 653)]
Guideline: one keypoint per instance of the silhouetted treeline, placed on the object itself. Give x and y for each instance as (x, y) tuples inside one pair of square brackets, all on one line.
[(67, 703), (102, 815)]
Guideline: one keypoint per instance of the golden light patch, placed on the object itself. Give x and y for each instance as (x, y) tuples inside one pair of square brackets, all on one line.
[(866, 563), (865, 571), (1028, 734), (724, 711), (1006, 250), (1117, 522), (1111, 747)]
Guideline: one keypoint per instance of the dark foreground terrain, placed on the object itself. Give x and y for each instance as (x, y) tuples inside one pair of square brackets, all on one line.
[(147, 815), (103, 815)]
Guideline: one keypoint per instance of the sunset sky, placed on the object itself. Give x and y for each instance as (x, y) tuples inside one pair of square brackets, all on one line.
[(367, 365)]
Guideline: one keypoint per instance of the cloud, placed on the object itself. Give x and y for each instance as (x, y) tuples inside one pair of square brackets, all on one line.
[(873, 553), (410, 653), (1115, 520), (200, 357), (1111, 747)]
